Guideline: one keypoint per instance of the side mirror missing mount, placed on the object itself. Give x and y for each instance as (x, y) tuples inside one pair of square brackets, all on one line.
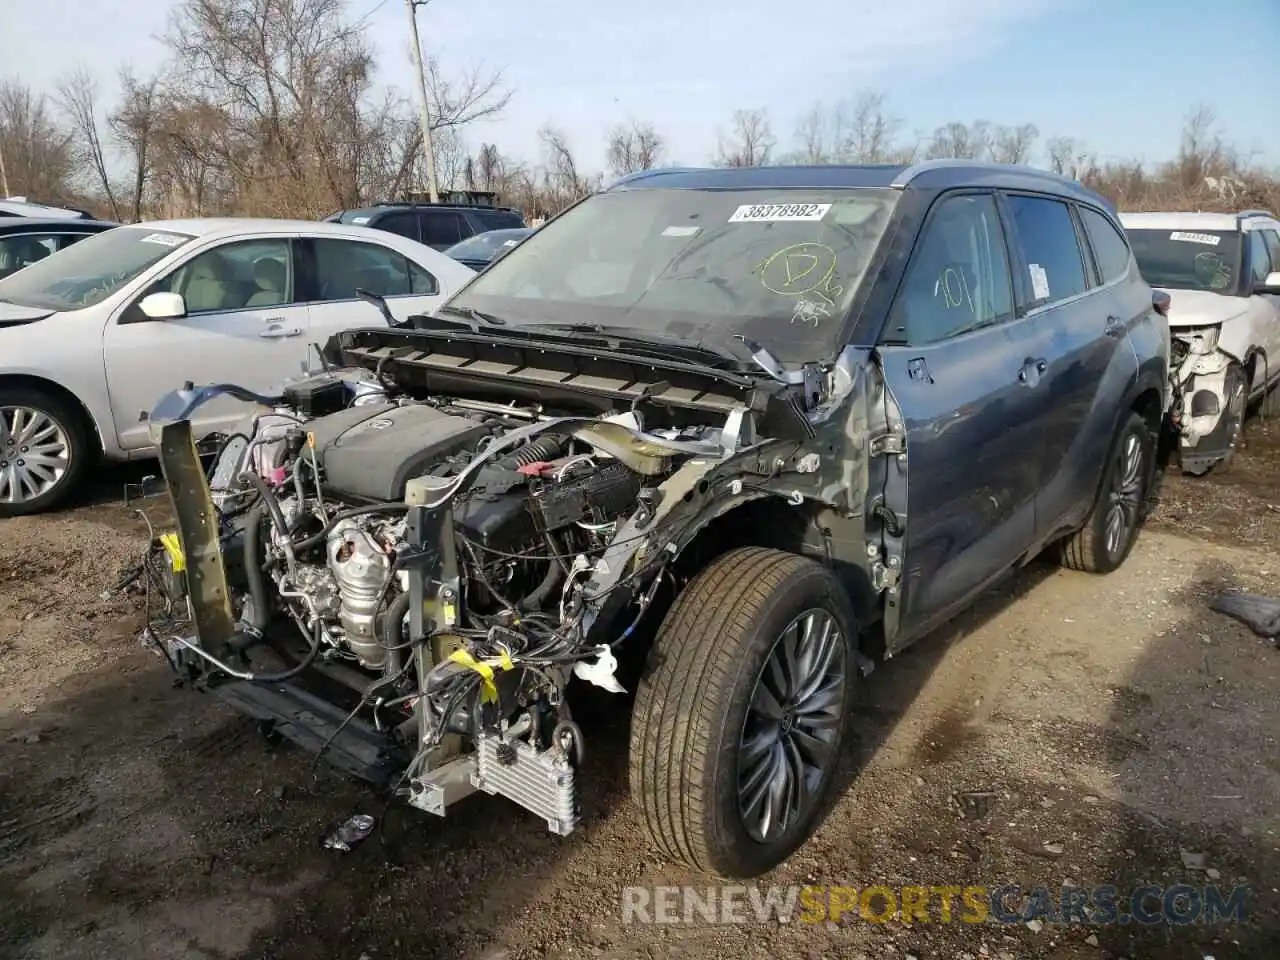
[(1160, 301), (1270, 285), (163, 306)]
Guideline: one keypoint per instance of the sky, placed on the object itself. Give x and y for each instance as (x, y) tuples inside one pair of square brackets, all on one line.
[(1119, 75)]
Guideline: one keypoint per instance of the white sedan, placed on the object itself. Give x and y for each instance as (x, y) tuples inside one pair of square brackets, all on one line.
[(93, 335)]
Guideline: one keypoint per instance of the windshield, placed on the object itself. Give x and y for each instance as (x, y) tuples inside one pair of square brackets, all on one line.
[(1188, 260), (485, 246), (89, 271), (777, 266)]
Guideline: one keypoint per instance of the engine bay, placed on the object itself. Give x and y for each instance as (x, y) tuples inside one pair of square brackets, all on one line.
[(406, 585)]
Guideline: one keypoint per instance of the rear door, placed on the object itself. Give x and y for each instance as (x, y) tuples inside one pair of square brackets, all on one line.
[(337, 267), (405, 224), (244, 325), (964, 376), (441, 229), (1074, 276)]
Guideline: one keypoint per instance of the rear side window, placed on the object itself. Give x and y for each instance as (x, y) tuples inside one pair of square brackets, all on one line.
[(958, 279), (498, 219), (1109, 248), (441, 227), (404, 224), (1049, 248)]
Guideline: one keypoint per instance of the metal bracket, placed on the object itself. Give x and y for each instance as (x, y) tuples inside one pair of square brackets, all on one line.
[(888, 445), (886, 576)]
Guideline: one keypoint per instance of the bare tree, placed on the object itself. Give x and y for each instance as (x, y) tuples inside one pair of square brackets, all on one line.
[(633, 146), (750, 142), (1013, 144), (133, 125), (39, 155), (815, 140), (957, 140), (77, 96), (564, 181), (869, 134)]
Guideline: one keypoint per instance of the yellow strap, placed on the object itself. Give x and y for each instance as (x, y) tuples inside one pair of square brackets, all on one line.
[(488, 689), (173, 547)]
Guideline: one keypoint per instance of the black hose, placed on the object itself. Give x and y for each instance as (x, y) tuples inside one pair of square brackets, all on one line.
[(293, 671), (555, 576), (536, 451), (253, 565), (391, 621), (269, 498)]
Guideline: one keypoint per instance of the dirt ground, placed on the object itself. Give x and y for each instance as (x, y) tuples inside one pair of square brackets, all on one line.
[(1122, 732)]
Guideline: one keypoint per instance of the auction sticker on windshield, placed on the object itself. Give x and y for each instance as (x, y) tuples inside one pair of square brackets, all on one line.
[(1206, 238), (767, 212), (165, 239)]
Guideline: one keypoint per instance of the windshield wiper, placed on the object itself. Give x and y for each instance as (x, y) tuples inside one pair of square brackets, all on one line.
[(477, 317), (668, 346)]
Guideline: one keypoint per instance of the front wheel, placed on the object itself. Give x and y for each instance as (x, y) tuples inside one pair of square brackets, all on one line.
[(1106, 538), (44, 451), (742, 713)]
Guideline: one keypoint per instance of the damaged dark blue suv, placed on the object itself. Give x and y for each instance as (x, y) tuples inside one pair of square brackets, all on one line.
[(750, 426)]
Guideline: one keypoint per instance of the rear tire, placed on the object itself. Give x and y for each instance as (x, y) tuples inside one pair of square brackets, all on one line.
[(1107, 537), (742, 714), (55, 432)]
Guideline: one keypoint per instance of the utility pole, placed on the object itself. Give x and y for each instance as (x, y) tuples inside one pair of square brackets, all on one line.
[(424, 115), (4, 177)]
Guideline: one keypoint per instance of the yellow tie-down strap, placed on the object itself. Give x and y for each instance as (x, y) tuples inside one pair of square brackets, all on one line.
[(488, 689), (173, 547)]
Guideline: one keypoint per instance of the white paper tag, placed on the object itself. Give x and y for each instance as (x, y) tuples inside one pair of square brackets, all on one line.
[(164, 239), (510, 243), (359, 219), (679, 231), (769, 212), (1039, 281), (1207, 239)]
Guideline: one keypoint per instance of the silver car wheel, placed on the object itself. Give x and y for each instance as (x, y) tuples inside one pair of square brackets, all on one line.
[(35, 453), (790, 740), (1126, 494)]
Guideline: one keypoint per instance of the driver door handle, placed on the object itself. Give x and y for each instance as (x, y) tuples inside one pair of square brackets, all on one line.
[(278, 333), (1032, 369)]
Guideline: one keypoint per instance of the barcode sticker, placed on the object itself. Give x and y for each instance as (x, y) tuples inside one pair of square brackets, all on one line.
[(768, 212)]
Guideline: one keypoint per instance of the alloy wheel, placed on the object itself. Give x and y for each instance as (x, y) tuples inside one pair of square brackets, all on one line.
[(35, 453), (1125, 494), (790, 739)]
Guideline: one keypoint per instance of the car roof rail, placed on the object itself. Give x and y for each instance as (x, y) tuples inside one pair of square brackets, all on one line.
[(914, 170), (1243, 214)]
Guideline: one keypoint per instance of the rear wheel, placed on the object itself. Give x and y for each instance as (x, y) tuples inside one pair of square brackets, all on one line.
[(1106, 538), (742, 713), (44, 451)]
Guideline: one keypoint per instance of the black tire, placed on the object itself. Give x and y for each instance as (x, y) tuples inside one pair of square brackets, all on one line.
[(1089, 548), (694, 699), (80, 448)]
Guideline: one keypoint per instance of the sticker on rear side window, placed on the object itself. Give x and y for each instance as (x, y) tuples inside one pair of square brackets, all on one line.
[(1206, 238), (164, 239), (1039, 281), (768, 212), (359, 219)]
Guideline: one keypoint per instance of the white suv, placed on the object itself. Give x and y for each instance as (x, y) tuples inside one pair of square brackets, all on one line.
[(1222, 271)]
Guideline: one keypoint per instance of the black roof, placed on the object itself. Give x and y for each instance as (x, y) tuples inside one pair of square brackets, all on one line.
[(26, 224), (928, 175)]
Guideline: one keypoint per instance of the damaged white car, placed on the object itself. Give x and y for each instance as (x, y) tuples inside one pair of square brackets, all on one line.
[(1223, 273)]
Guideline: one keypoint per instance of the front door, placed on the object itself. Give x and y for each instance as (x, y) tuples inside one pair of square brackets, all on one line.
[(963, 375), (243, 326)]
